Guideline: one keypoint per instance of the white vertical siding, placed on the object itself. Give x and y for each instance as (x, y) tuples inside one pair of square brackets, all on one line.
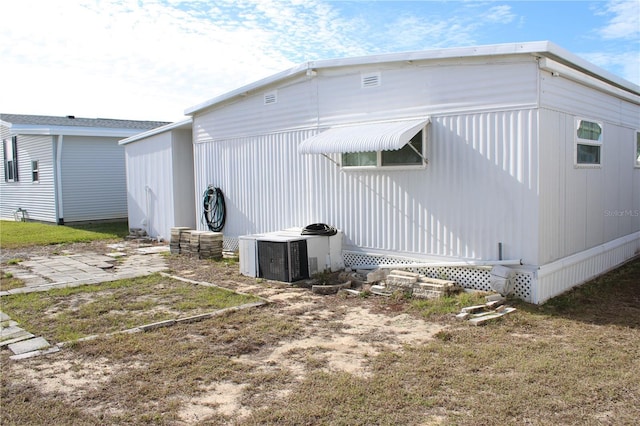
[(93, 179), (184, 209), (38, 198), (479, 189), (559, 276), (160, 183), (579, 205), (264, 180)]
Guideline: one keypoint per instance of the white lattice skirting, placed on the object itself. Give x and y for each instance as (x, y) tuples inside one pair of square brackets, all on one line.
[(472, 277)]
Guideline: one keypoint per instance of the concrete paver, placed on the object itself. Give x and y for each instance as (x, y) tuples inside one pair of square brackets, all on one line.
[(29, 345)]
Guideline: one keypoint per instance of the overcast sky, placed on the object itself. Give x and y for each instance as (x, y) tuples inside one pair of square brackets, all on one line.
[(150, 60)]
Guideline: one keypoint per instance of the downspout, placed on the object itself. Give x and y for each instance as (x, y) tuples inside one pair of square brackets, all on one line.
[(58, 182)]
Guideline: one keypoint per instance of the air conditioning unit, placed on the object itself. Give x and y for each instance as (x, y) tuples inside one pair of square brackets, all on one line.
[(289, 256)]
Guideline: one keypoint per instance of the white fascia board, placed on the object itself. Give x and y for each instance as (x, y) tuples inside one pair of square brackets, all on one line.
[(560, 70), (184, 124), (71, 131), (567, 58)]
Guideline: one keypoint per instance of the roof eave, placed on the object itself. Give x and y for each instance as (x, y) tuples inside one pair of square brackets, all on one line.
[(184, 124), (24, 129)]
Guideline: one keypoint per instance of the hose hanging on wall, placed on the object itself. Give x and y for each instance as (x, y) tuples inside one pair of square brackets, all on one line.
[(214, 213)]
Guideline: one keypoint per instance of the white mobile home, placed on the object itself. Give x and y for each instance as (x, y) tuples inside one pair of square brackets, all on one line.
[(64, 169), (160, 188), (516, 154)]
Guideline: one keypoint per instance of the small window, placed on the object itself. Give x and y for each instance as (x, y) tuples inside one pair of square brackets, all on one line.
[(637, 149), (35, 172), (588, 142), (10, 154), (409, 155)]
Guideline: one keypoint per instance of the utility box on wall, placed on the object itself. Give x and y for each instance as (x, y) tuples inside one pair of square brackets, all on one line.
[(289, 256)]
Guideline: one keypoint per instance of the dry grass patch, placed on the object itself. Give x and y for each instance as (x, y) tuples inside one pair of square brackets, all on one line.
[(70, 313), (9, 282), (572, 361), (153, 378)]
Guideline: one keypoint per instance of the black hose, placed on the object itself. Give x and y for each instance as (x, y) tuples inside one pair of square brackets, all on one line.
[(319, 229), (214, 213)]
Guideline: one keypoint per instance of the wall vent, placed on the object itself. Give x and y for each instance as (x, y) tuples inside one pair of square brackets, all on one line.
[(370, 79), (270, 98)]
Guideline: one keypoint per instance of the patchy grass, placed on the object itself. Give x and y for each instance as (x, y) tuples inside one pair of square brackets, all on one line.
[(25, 234), (440, 308), (571, 361), (149, 377), (8, 281), (70, 313)]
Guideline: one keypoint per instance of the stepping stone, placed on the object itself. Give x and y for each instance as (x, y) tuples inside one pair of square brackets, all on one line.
[(29, 345), (18, 337), (51, 350), (7, 332), (4, 317)]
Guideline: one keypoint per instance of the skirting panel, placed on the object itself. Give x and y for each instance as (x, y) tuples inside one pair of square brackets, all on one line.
[(557, 277), (471, 277)]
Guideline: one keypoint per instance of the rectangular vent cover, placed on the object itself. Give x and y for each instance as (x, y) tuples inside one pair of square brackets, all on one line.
[(270, 98), (370, 79)]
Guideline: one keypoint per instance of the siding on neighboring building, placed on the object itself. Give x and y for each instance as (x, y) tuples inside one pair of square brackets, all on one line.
[(93, 179), (38, 198)]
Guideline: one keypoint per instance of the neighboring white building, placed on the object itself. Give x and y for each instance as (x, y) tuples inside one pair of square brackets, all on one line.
[(64, 169), (160, 187)]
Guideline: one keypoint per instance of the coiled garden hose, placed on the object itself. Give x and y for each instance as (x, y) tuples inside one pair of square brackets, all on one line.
[(214, 213)]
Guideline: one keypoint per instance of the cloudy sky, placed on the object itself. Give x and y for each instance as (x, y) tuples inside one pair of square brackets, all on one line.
[(152, 59)]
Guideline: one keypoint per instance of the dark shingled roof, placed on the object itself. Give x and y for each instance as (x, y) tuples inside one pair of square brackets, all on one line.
[(45, 120)]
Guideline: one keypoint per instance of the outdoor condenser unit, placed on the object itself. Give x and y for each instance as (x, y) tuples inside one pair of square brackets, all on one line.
[(283, 260), (289, 256)]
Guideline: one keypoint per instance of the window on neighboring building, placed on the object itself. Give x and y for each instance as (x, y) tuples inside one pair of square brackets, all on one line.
[(35, 172), (588, 142), (10, 152), (637, 149), (409, 155)]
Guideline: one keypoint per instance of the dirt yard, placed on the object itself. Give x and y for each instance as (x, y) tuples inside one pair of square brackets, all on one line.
[(311, 359)]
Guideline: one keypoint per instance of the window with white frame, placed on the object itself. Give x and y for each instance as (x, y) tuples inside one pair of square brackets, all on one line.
[(10, 156), (35, 171), (410, 155), (588, 142)]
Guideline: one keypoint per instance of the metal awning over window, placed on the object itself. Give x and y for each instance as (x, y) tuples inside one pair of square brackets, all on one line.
[(363, 137)]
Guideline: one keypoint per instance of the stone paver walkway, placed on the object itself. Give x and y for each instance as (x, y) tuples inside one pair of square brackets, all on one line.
[(45, 273)]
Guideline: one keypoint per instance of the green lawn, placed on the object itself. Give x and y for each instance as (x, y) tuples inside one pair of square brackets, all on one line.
[(24, 234)]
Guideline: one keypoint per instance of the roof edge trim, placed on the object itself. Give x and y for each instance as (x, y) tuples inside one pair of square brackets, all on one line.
[(183, 124)]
